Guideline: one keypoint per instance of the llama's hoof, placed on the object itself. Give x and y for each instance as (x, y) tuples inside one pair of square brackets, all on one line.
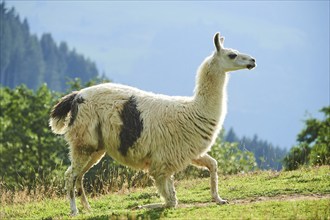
[(220, 201), (74, 213)]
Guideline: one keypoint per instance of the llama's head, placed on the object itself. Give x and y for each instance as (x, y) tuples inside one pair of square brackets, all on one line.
[(229, 59)]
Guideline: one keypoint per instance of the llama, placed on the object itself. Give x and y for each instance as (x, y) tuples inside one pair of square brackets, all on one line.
[(145, 131)]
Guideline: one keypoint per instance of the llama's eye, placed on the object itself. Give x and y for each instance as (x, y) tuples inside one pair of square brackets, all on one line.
[(232, 56)]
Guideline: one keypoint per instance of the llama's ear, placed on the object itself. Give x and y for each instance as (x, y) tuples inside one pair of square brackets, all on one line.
[(218, 41), (222, 40)]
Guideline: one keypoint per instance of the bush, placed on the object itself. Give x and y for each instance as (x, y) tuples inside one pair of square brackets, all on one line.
[(313, 144), (320, 155), (231, 159), (298, 156)]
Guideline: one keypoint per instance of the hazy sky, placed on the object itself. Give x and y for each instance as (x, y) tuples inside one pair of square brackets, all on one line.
[(157, 46)]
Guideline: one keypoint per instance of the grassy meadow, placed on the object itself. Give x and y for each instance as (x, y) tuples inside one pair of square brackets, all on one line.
[(300, 194)]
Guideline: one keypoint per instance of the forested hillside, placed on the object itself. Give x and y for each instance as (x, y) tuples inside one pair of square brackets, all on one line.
[(26, 59)]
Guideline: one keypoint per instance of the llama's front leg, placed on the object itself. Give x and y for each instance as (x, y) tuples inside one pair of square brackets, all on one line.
[(165, 186), (212, 165)]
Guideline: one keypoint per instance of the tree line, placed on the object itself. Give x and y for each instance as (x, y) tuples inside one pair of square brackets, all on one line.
[(26, 59)]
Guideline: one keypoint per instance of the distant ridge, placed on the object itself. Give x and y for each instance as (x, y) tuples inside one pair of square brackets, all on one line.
[(25, 59)]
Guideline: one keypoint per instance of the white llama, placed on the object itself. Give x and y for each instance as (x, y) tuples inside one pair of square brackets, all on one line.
[(157, 133)]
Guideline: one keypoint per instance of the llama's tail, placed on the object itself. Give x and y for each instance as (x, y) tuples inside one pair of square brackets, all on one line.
[(64, 112)]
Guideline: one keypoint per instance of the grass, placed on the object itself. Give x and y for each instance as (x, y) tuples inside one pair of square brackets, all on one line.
[(301, 194)]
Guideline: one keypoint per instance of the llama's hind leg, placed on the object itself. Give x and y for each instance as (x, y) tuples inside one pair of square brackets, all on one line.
[(69, 187), (70, 182), (78, 162), (212, 165), (95, 158)]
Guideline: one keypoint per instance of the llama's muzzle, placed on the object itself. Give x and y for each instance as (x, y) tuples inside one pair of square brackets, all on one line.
[(251, 66)]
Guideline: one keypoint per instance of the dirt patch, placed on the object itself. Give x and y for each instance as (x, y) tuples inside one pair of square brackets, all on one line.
[(294, 197)]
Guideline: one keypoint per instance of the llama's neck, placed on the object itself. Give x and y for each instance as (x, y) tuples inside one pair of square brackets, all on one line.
[(210, 92)]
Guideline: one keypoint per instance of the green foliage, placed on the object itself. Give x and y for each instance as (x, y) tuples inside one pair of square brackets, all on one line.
[(29, 151), (298, 156), (231, 159), (27, 60), (313, 144), (320, 154)]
